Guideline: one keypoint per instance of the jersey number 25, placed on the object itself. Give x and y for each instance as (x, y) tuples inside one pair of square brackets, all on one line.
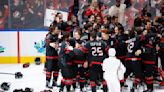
[(97, 51)]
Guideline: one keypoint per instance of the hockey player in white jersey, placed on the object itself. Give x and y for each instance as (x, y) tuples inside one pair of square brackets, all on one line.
[(113, 71)]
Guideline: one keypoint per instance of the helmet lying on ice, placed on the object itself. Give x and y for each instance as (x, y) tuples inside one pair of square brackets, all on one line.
[(5, 86)]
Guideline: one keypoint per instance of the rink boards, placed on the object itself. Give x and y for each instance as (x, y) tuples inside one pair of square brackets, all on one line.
[(21, 46)]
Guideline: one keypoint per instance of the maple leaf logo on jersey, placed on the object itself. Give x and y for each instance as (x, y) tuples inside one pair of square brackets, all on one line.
[(40, 47)]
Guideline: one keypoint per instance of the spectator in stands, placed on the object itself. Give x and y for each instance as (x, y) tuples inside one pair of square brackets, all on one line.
[(156, 4), (117, 21), (64, 5), (38, 13), (153, 6), (118, 10), (98, 20), (55, 3), (28, 14), (3, 4), (94, 9), (73, 24), (34, 14), (50, 4), (74, 9), (112, 24), (17, 18), (131, 13), (107, 20), (91, 19), (3, 16), (162, 9)]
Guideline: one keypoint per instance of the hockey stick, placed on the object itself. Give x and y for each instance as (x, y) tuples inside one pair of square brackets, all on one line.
[(162, 75), (7, 73), (161, 72), (17, 75)]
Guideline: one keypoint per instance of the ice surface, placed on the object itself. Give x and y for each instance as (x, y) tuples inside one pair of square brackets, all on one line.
[(34, 77)]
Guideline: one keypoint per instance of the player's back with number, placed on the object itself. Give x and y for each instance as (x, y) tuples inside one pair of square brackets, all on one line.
[(133, 45), (96, 50)]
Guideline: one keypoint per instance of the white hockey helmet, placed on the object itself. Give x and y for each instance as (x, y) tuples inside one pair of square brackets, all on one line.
[(112, 52)]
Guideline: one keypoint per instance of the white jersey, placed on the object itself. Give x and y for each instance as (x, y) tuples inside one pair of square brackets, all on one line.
[(113, 72)]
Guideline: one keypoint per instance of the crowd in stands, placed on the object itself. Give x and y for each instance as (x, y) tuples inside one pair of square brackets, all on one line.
[(29, 14), (21, 14)]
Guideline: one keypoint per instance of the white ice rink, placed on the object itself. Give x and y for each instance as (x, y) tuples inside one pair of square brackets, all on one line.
[(33, 77)]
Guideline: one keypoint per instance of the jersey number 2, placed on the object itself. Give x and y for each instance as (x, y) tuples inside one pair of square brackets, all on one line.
[(130, 47)]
